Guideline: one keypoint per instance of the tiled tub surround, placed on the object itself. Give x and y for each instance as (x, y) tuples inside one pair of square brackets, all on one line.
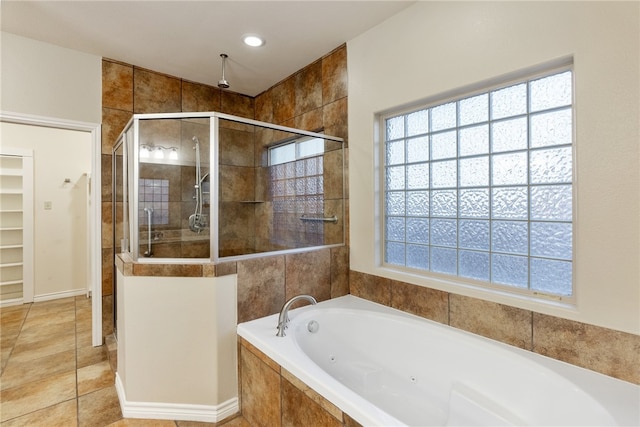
[(383, 366), (603, 350)]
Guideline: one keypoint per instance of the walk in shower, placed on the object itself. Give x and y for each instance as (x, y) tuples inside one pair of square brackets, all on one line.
[(211, 186)]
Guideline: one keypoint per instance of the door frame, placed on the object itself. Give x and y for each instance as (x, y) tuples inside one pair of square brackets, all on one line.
[(95, 211)]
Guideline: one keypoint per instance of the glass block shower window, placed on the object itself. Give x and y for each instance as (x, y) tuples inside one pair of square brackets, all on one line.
[(297, 190), (154, 194), (481, 187)]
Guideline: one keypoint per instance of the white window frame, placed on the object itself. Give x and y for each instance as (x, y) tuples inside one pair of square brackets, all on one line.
[(521, 77)]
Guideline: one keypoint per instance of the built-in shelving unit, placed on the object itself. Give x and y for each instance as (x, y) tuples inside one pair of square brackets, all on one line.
[(16, 226)]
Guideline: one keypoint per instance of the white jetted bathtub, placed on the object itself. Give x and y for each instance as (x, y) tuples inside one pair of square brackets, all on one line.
[(385, 367)]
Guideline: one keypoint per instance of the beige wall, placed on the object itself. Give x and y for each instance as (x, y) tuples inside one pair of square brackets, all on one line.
[(432, 48), (60, 234), (176, 342), (46, 80)]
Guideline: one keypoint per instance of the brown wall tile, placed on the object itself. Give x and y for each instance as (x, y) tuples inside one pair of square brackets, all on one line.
[(237, 104), (260, 287), (308, 88), (156, 93), (167, 270), (610, 352), (117, 86), (339, 271), (300, 410), (199, 97), (350, 422), (107, 174), (264, 107), (113, 122), (308, 273), (236, 147), (237, 183), (335, 119), (503, 323), (107, 224), (327, 406), (334, 75), (373, 288), (283, 96), (311, 120), (107, 271), (260, 386), (425, 302)]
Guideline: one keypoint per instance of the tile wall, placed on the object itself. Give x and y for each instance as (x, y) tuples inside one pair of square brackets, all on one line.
[(272, 396), (603, 350), (311, 99)]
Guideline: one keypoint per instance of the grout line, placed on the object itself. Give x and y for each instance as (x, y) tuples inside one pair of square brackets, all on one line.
[(24, 319)]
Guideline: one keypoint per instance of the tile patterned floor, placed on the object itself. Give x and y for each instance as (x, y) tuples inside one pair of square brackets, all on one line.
[(52, 376)]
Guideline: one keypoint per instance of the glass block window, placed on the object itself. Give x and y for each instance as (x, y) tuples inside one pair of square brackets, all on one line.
[(154, 194), (480, 187), (297, 189)]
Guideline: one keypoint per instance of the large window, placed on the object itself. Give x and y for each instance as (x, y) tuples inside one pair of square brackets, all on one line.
[(480, 187)]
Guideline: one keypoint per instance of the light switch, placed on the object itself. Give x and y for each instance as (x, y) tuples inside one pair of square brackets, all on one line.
[(47, 205)]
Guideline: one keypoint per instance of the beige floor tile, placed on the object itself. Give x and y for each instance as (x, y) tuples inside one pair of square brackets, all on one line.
[(90, 355), (63, 414), (48, 318), (19, 372), (99, 408), (43, 330), (26, 398), (84, 339), (13, 313), (29, 350), (9, 332), (95, 377), (131, 422)]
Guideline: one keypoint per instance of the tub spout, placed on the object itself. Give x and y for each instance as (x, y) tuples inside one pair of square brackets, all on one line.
[(283, 319)]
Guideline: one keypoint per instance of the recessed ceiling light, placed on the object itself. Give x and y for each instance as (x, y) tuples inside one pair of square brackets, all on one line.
[(253, 40)]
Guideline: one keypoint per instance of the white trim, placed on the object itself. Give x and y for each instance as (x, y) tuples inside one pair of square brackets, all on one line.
[(58, 295), (95, 216), (11, 302), (175, 411)]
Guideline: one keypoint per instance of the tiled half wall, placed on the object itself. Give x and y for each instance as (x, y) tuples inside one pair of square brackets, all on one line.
[(603, 350)]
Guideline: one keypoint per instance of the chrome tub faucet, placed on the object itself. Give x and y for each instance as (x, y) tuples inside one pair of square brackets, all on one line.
[(283, 319)]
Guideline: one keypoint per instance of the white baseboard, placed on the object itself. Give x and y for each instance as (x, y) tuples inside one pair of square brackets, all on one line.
[(57, 295), (175, 411)]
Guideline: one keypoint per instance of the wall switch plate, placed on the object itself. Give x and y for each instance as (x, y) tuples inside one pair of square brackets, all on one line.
[(47, 205)]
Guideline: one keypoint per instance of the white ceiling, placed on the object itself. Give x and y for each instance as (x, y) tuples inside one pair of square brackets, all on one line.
[(186, 38)]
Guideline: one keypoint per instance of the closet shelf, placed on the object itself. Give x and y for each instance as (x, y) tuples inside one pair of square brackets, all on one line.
[(11, 229), (11, 191), (11, 282), (11, 211), (11, 264), (11, 246), (10, 172)]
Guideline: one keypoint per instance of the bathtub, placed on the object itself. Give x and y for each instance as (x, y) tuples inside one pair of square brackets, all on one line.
[(385, 367)]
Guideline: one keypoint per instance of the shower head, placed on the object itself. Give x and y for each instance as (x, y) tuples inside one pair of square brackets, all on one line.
[(223, 83)]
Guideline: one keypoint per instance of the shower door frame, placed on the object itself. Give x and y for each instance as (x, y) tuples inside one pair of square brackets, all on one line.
[(214, 127)]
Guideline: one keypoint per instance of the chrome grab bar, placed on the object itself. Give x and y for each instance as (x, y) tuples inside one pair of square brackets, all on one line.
[(149, 212), (333, 219)]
